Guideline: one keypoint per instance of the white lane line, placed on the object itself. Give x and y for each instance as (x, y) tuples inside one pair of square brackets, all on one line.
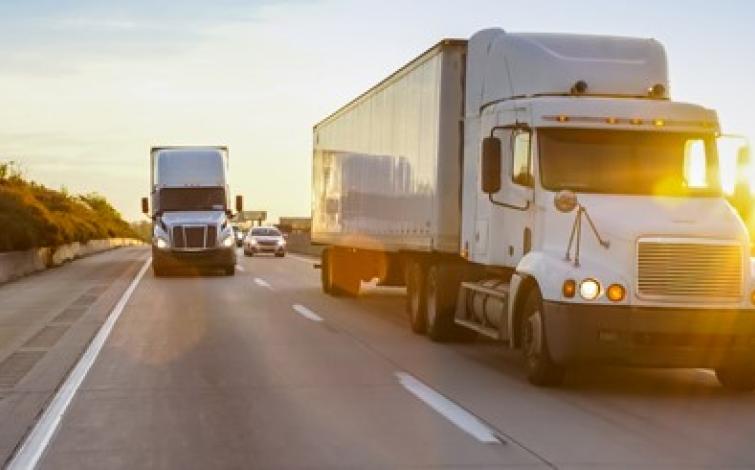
[(457, 415), (262, 283), (307, 313), (39, 438), (240, 268), (303, 260)]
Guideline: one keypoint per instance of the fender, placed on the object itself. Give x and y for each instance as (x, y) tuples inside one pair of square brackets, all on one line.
[(546, 272)]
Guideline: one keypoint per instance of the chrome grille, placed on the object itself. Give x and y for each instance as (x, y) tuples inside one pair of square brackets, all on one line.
[(194, 237), (689, 269)]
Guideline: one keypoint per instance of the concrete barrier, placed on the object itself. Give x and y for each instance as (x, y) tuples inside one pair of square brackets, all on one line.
[(16, 264), (301, 243)]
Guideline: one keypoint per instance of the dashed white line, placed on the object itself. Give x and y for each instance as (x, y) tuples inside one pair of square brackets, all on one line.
[(39, 438), (457, 415), (262, 283), (303, 259), (307, 313)]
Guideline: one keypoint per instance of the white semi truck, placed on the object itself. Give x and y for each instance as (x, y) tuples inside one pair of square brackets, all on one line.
[(190, 209), (544, 191)]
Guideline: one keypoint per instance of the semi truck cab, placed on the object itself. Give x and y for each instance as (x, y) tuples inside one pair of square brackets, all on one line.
[(190, 210), (601, 199)]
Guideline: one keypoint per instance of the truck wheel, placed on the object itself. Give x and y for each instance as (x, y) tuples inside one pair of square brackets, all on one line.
[(326, 275), (416, 298), (441, 303), (541, 370), (739, 378), (158, 270)]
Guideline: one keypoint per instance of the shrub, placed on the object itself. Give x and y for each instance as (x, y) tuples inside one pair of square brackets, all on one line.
[(32, 215)]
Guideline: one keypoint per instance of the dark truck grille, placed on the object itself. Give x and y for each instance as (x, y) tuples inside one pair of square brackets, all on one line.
[(194, 237)]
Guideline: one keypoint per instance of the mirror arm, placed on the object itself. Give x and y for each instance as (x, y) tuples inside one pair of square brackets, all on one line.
[(509, 206)]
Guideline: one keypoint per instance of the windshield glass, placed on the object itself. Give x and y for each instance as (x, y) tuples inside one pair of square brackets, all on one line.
[(628, 162), (192, 199), (266, 232)]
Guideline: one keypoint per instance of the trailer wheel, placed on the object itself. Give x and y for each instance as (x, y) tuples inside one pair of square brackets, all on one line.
[(541, 370), (230, 270), (441, 303), (739, 378), (416, 305), (326, 275)]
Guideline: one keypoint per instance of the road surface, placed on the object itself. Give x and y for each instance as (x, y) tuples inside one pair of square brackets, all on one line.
[(262, 370)]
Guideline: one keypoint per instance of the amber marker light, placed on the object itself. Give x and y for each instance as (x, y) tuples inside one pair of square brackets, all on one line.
[(612, 120), (562, 118), (616, 292), (569, 289), (752, 297), (636, 121), (659, 122)]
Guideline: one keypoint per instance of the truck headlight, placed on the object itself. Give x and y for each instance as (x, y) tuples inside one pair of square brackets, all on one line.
[(162, 244), (589, 289), (228, 241)]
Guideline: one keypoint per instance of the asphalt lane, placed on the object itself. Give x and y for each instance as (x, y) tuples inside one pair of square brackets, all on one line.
[(263, 371)]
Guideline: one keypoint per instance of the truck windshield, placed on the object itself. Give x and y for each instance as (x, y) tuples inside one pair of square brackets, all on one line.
[(628, 162), (192, 199)]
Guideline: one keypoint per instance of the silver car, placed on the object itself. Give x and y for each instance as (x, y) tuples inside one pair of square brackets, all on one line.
[(265, 240)]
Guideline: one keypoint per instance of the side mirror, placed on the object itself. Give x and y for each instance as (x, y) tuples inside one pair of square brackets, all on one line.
[(565, 201), (491, 165), (239, 203), (145, 205)]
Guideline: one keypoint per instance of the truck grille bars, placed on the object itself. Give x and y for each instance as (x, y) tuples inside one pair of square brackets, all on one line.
[(684, 270), (194, 237)]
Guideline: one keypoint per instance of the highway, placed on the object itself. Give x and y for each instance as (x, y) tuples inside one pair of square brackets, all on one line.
[(261, 370)]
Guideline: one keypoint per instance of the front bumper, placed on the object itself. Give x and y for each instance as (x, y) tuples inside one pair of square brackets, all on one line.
[(648, 336), (211, 258), (267, 249)]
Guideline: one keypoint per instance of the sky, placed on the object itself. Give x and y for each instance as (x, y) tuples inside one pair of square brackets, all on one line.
[(87, 86)]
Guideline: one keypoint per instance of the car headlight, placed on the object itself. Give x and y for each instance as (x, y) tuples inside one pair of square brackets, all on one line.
[(162, 244), (589, 289), (281, 242), (228, 241), (253, 241)]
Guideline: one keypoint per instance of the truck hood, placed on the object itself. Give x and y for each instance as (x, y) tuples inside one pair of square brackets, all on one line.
[(194, 217), (631, 217)]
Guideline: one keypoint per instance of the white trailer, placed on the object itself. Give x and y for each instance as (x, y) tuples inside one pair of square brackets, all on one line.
[(190, 209), (542, 190)]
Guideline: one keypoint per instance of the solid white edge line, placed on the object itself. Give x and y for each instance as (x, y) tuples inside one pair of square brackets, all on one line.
[(29, 454), (306, 313), (448, 409)]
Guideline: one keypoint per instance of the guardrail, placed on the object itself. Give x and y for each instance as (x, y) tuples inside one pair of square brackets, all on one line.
[(16, 264)]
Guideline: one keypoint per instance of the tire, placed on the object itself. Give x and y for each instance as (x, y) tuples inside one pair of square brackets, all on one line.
[(158, 270), (247, 253), (416, 298), (738, 378), (280, 255), (541, 370), (326, 275), (440, 291), (230, 270)]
